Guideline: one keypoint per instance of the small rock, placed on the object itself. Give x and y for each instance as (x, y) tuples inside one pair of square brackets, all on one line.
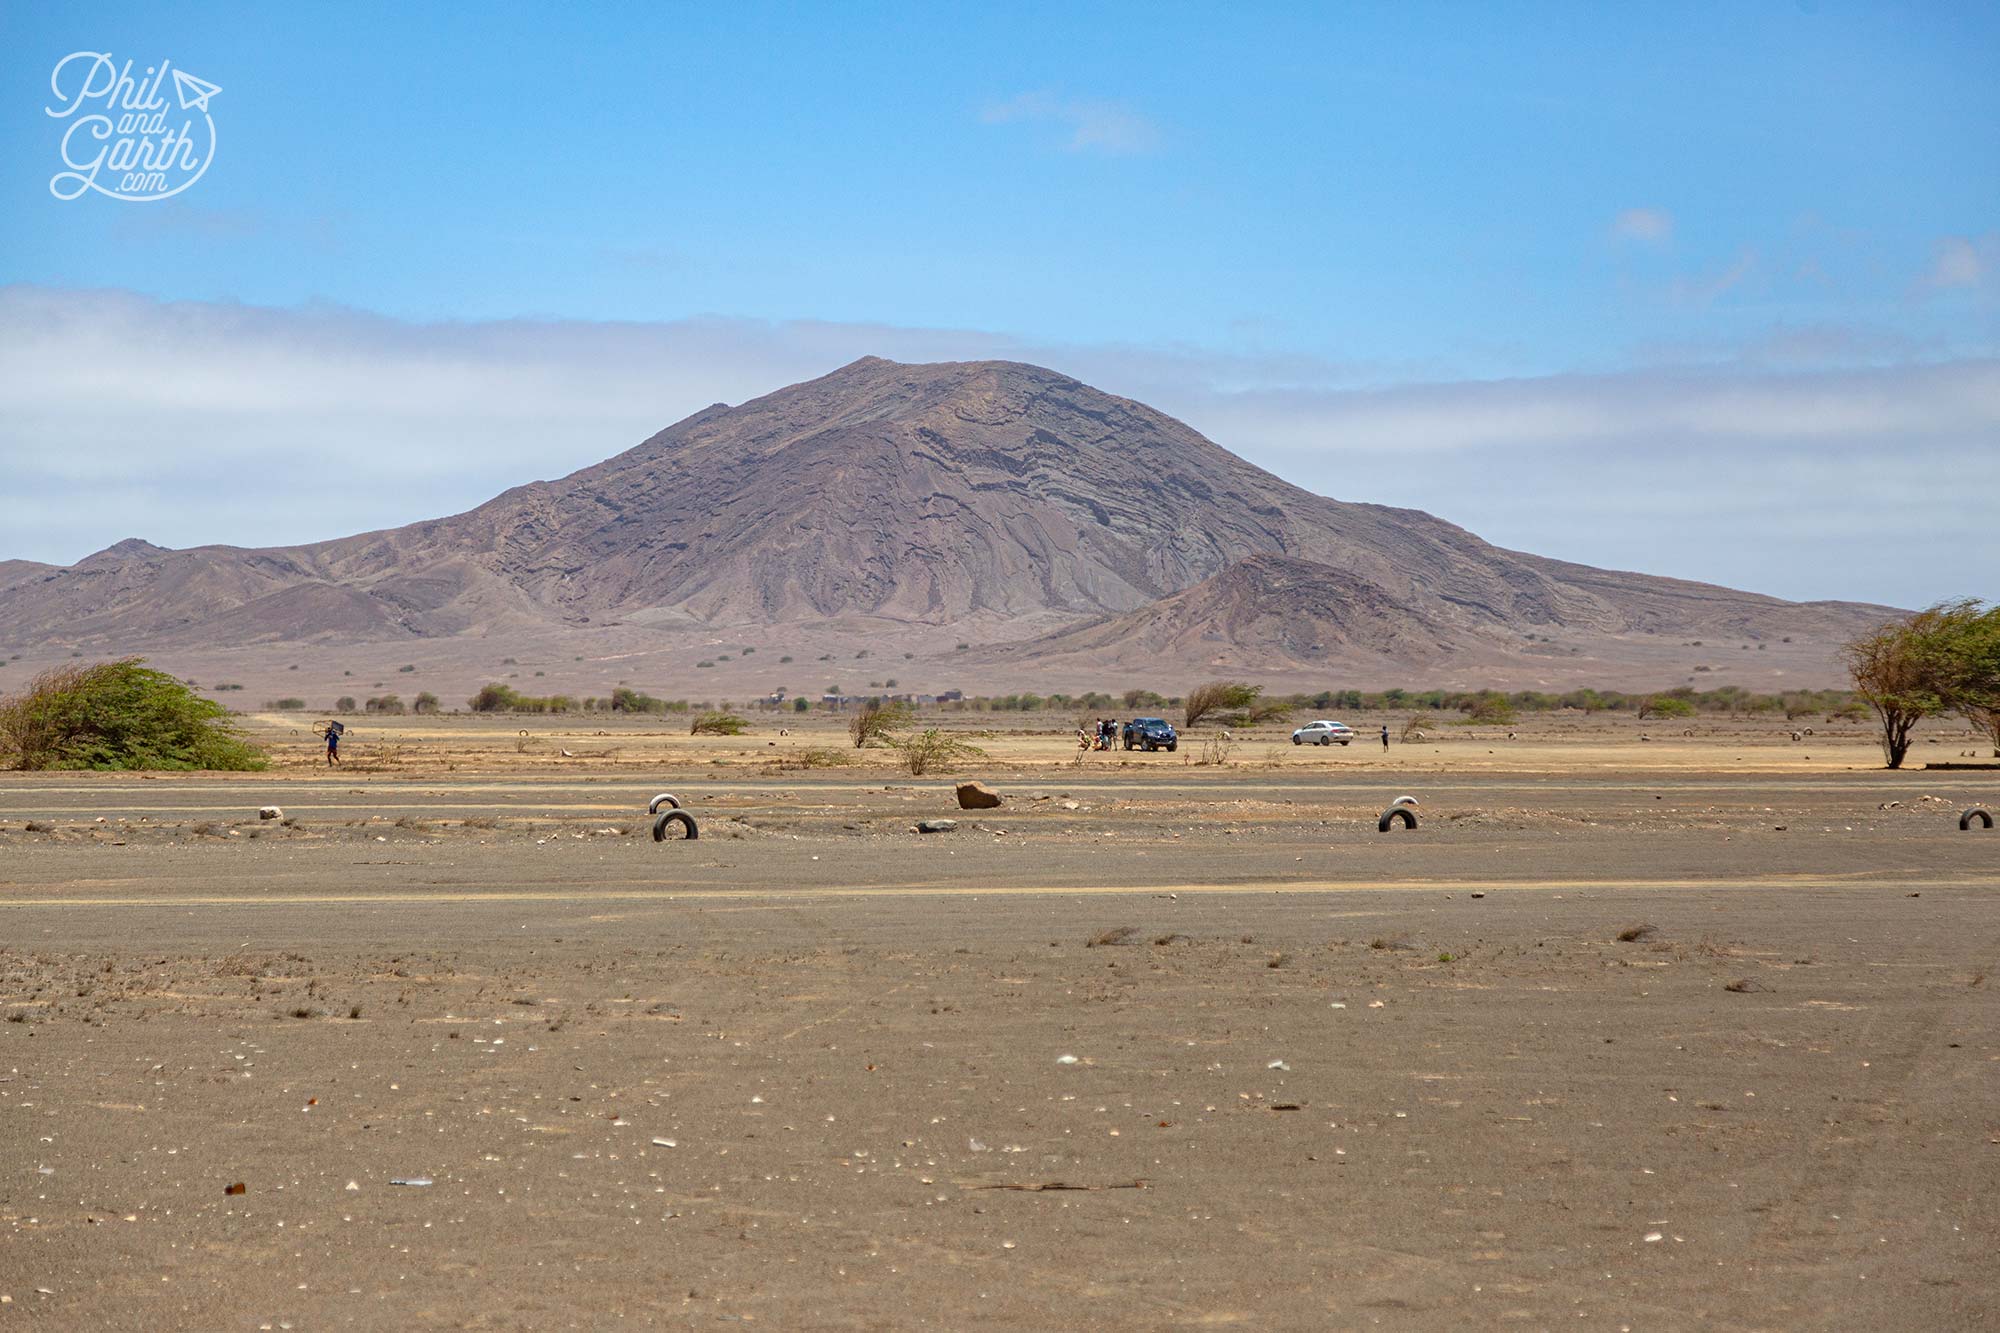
[(977, 796), (269, 812), (936, 825)]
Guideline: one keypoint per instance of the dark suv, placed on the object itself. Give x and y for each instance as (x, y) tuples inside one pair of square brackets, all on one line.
[(1150, 733)]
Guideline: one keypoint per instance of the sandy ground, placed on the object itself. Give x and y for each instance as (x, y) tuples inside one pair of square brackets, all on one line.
[(809, 1071)]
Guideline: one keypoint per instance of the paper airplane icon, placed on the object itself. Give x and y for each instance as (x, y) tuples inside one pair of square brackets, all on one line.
[(194, 93)]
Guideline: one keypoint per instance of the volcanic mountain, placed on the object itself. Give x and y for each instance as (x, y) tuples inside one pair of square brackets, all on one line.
[(992, 501)]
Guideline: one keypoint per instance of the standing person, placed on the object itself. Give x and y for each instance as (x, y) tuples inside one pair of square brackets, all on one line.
[(1385, 736), (333, 730)]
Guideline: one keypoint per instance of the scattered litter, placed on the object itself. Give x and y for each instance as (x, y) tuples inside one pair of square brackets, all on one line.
[(270, 812), (353, 1185), (666, 1143), (1066, 1060), (417, 1181), (1279, 1064), (238, 1188), (1652, 1236)]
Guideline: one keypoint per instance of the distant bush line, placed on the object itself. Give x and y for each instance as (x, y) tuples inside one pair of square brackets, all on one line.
[(1483, 706)]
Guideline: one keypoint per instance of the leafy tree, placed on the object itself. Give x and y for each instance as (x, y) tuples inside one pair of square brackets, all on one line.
[(118, 715), (1224, 701), (492, 699), (1971, 669), (426, 702), (1491, 709), (718, 724), (1932, 662), (344, 704), (1665, 705)]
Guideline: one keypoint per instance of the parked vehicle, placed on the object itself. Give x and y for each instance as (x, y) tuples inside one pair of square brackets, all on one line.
[(1150, 733), (1323, 732)]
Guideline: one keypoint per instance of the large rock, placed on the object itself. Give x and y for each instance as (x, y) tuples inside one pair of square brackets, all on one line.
[(977, 796)]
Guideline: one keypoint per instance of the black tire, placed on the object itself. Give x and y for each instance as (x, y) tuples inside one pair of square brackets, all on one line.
[(1325, 741), (1297, 741), (1985, 818), (664, 798), (1172, 746), (1392, 814), (1347, 742), (681, 817)]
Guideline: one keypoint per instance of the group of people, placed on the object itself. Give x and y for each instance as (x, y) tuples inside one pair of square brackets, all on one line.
[(1103, 737)]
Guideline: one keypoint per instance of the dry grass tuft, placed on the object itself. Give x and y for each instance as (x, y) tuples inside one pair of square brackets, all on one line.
[(1115, 935), (1642, 931)]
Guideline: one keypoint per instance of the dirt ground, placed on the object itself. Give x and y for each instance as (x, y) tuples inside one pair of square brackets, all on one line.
[(1690, 1032)]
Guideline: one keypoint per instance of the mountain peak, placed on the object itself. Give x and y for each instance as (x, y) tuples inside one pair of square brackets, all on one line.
[(998, 497)]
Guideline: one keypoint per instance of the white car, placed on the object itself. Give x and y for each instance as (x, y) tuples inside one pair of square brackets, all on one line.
[(1323, 732)]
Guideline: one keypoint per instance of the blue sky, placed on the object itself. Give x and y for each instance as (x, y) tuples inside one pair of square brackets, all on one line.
[(1270, 219)]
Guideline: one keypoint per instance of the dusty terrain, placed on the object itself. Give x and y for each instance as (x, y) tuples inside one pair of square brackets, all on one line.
[(808, 1071)]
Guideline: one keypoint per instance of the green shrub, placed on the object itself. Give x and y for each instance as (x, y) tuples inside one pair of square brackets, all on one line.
[(287, 705), (872, 723), (930, 750), (718, 724), (118, 715), (497, 698), (1492, 709), (626, 700)]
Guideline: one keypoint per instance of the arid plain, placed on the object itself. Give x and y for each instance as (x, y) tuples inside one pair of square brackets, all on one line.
[(1690, 1031)]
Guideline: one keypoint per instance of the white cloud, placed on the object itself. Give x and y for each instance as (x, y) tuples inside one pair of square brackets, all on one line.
[(1652, 226), (1963, 262), (1092, 124), (188, 423)]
